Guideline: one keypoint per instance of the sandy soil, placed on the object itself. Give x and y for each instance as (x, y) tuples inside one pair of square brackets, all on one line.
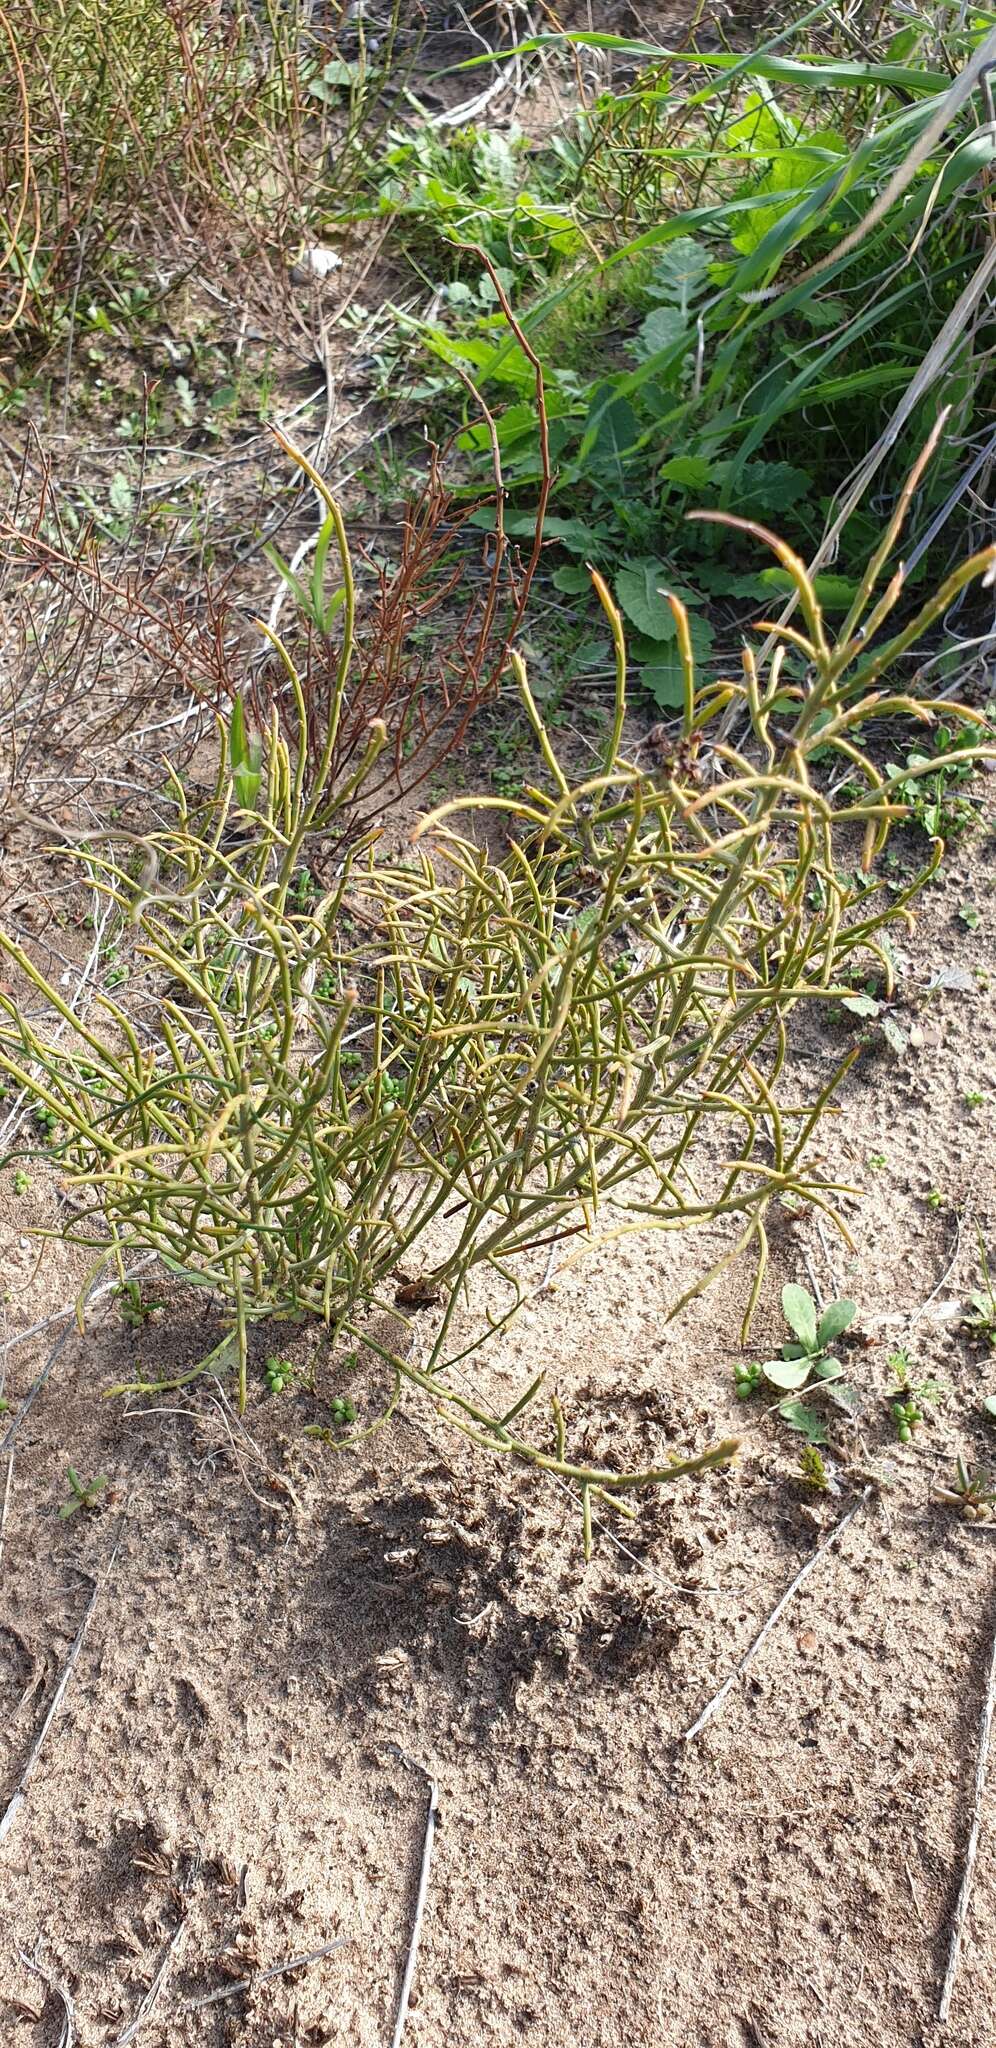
[(221, 1785)]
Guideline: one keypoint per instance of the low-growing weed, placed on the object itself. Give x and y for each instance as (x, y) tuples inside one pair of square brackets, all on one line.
[(743, 339), (917, 1394), (83, 1493), (971, 1492), (133, 1307), (979, 1319), (806, 1361)]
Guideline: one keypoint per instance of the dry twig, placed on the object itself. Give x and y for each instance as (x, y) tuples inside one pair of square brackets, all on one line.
[(964, 1896), (247, 1984), (19, 1794), (421, 1895), (67, 2033), (777, 1611)]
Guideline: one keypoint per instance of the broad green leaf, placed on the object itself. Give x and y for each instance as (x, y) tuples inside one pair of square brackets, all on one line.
[(661, 674), (787, 1373), (571, 578), (497, 161), (799, 1310), (664, 683), (895, 1037), (860, 1006), (691, 472), (834, 593), (836, 1318), (662, 327), (616, 433), (827, 1368), (639, 588)]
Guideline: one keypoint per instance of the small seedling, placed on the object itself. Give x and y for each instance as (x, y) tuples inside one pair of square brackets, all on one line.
[(936, 1198), (21, 1182), (973, 1098), (303, 889), (907, 1414), (84, 1493), (969, 917), (343, 1412), (806, 1361), (813, 1469), (979, 1319), (808, 1353), (972, 1492), (46, 1120), (876, 1160), (134, 1311)]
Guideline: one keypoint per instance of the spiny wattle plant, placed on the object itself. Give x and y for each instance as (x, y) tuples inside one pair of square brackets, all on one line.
[(317, 1078)]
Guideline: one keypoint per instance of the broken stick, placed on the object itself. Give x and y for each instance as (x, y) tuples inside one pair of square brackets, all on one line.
[(964, 1896), (777, 1611)]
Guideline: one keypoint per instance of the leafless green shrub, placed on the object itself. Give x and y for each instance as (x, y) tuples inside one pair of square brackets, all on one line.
[(580, 1034)]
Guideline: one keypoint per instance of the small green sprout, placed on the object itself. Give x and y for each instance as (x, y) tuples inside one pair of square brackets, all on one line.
[(876, 1160), (979, 1320), (936, 1198), (46, 1120), (343, 1412), (969, 917), (808, 1353), (21, 1182), (134, 1311), (84, 1493), (972, 1492), (812, 1468), (973, 1098), (907, 1414), (303, 889)]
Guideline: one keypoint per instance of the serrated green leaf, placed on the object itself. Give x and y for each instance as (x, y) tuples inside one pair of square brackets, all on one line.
[(804, 1419), (120, 497), (680, 272), (799, 1310), (690, 472), (836, 1318), (860, 1006), (661, 329)]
